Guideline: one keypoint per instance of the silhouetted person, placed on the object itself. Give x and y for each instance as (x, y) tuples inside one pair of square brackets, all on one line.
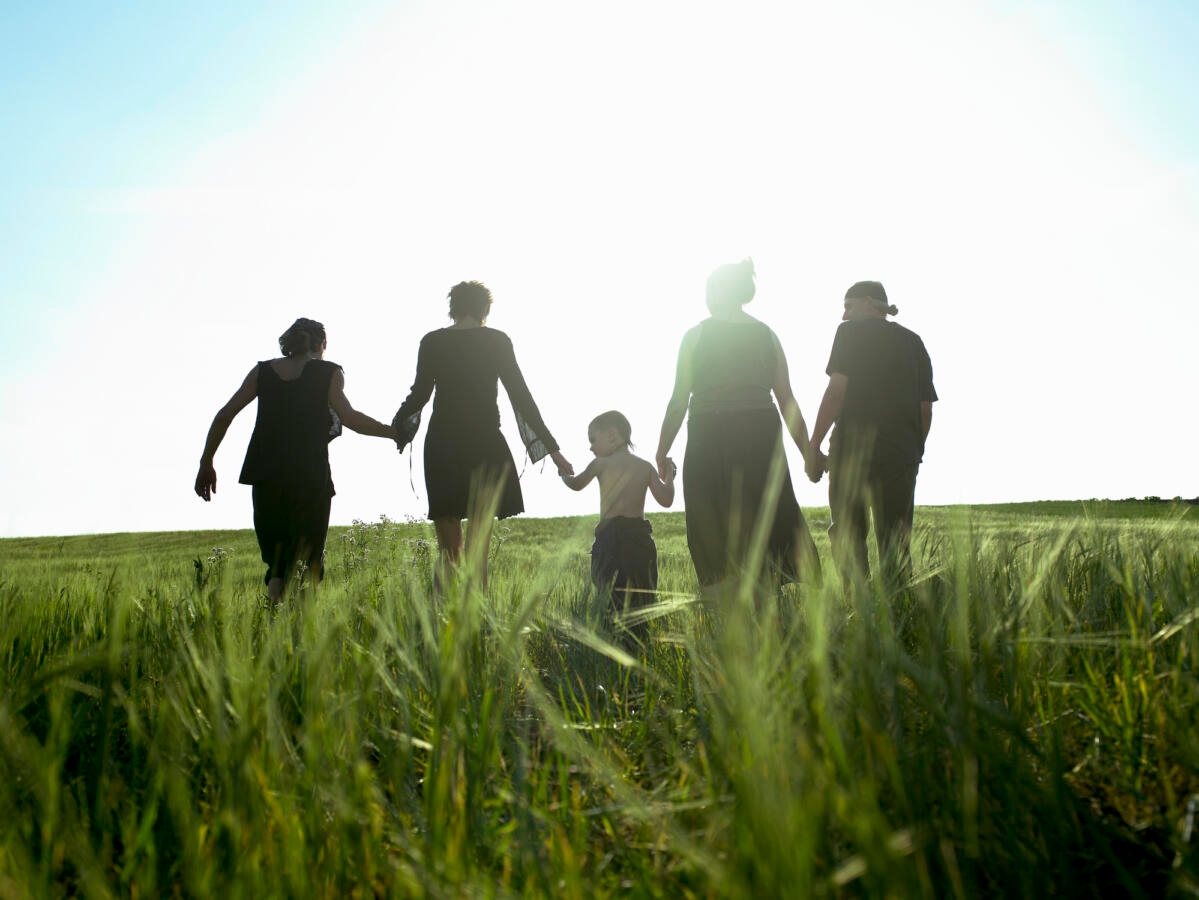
[(468, 466), (301, 406), (624, 557), (880, 395), (728, 366)]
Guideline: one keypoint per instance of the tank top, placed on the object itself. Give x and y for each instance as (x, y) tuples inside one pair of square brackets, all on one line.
[(290, 443), (733, 367)]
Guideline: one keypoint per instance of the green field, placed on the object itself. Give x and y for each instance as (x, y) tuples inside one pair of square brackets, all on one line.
[(1018, 722)]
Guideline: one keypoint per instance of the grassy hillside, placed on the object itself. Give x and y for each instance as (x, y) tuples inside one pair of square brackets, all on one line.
[(1017, 722)]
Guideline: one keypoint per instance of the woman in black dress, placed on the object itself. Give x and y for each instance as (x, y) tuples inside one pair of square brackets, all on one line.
[(728, 366), (469, 470), (301, 407)]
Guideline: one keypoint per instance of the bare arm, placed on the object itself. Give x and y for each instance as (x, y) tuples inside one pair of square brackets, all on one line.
[(830, 408), (676, 409), (663, 489), (206, 477), (926, 417), (350, 417), (792, 417), (580, 481)]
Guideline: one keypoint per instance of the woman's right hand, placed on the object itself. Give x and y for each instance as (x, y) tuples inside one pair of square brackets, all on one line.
[(665, 465), (206, 481)]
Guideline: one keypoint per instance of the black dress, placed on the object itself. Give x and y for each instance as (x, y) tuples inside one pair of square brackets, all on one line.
[(464, 449), (734, 437), (287, 462)]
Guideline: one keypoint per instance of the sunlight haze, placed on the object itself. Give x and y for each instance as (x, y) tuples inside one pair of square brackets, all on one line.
[(1022, 177)]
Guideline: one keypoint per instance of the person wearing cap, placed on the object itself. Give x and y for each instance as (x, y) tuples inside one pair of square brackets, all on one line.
[(880, 398)]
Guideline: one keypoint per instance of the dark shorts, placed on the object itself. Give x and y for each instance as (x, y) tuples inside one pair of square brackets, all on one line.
[(291, 524), (624, 559)]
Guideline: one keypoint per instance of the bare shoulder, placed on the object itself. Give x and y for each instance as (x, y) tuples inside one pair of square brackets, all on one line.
[(643, 467)]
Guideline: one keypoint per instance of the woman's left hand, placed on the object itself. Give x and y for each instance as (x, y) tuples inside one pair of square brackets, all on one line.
[(563, 464)]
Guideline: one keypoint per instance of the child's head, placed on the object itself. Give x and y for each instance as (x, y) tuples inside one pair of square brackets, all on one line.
[(608, 432)]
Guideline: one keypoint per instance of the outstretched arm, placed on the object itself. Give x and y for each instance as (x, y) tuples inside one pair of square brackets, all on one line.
[(206, 477), (580, 481), (676, 409), (792, 417), (350, 417), (536, 437), (407, 419)]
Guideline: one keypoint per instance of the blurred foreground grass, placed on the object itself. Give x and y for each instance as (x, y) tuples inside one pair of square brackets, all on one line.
[(1019, 721)]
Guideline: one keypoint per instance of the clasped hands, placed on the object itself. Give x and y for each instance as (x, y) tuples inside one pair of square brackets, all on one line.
[(666, 468), (815, 464), (563, 464)]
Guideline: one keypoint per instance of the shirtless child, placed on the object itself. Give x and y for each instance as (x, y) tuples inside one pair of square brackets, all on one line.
[(624, 558)]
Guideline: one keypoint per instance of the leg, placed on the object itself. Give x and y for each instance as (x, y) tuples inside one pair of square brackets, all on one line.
[(312, 525), (894, 492), (270, 529), (706, 506), (850, 524), (449, 549), (478, 544)]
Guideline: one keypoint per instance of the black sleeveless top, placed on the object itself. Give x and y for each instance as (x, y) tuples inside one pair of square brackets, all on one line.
[(290, 444)]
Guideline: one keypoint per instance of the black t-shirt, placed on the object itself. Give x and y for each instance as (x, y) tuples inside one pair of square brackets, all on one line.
[(890, 375)]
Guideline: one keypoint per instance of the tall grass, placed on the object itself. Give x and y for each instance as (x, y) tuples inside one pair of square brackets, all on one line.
[(1019, 721)]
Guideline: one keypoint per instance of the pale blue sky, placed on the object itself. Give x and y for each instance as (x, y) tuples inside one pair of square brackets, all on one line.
[(179, 183)]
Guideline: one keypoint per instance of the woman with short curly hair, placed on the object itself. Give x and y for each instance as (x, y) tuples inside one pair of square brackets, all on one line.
[(469, 470)]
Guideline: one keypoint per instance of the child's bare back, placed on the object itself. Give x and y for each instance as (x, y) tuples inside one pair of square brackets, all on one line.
[(623, 477), (623, 480)]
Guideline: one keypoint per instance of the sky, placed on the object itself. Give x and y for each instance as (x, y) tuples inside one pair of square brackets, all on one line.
[(181, 181)]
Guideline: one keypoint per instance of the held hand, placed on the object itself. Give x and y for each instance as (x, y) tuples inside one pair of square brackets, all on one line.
[(815, 465), (564, 466), (206, 482), (665, 465), (671, 469)]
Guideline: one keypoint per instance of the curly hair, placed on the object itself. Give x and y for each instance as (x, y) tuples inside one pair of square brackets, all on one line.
[(469, 298), (304, 336)]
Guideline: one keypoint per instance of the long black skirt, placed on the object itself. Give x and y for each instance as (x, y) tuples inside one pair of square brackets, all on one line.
[(726, 475), (466, 472)]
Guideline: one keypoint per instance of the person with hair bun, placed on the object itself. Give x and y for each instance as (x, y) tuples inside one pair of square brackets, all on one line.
[(301, 407), (728, 367), (880, 396), (469, 470)]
